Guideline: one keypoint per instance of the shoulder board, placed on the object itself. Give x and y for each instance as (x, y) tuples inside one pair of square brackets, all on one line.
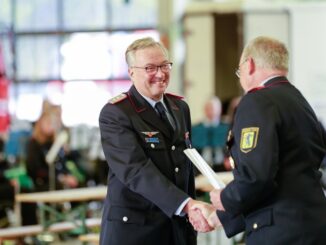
[(118, 98), (175, 96)]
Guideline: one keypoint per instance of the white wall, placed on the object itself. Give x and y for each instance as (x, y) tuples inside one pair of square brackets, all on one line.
[(308, 42), (200, 58)]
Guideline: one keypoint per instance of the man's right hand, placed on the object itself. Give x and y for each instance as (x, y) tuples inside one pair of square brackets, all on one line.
[(198, 213)]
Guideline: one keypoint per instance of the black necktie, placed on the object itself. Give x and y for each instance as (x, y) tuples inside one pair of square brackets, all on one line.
[(163, 115)]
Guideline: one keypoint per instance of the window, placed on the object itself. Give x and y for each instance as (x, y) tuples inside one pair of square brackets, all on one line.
[(66, 51)]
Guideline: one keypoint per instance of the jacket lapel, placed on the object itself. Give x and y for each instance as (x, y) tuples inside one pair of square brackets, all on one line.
[(146, 111)]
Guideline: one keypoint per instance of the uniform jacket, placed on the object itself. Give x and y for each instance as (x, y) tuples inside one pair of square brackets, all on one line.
[(149, 175), (277, 148)]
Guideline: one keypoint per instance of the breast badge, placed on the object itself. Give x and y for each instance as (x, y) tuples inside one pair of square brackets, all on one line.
[(150, 138), (249, 138)]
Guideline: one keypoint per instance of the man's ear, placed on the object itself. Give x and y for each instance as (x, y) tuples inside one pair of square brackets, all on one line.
[(130, 72), (252, 65)]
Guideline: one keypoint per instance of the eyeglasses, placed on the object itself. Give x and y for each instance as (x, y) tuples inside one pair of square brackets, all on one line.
[(152, 69), (237, 71)]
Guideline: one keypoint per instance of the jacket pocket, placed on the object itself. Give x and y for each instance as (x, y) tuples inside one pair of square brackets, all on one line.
[(126, 215), (259, 219)]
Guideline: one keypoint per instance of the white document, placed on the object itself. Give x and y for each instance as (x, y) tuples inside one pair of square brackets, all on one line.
[(204, 168)]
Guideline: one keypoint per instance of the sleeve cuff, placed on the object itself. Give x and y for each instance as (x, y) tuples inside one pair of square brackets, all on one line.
[(180, 208)]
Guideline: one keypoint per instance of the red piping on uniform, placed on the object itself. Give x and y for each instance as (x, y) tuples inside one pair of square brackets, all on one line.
[(133, 104), (266, 86)]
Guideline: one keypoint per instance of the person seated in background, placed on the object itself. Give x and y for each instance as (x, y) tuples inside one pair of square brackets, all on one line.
[(42, 139), (39, 144), (209, 136)]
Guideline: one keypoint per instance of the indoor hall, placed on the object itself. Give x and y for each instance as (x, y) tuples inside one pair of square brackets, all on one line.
[(61, 61)]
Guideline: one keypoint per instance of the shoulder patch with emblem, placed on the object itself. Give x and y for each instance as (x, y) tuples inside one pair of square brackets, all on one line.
[(248, 140), (117, 98), (174, 95)]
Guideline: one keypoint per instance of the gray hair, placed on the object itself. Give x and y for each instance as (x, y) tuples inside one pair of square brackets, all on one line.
[(142, 43), (267, 53)]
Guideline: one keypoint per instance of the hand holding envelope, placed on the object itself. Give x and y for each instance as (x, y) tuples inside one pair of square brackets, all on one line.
[(206, 210)]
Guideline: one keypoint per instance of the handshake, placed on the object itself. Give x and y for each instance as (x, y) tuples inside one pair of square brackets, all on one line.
[(203, 215)]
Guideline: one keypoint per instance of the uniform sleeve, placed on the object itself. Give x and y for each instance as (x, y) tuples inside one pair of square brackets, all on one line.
[(255, 153), (131, 166), (232, 225)]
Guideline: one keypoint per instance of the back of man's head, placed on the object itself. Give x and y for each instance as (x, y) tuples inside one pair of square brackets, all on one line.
[(268, 53)]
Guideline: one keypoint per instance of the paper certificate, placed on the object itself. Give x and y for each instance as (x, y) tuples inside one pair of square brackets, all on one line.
[(204, 168)]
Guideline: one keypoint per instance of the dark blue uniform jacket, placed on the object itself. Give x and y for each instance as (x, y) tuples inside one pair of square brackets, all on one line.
[(149, 175), (277, 146)]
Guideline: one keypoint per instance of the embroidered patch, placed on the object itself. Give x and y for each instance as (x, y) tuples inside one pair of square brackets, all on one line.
[(117, 98), (249, 138)]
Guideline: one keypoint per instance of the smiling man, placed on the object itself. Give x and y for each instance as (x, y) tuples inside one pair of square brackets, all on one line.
[(144, 132)]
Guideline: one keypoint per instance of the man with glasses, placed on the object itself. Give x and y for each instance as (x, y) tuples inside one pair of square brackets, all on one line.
[(144, 132), (277, 145)]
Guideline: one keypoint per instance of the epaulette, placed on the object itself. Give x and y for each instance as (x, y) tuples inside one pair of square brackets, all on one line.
[(175, 96), (118, 98)]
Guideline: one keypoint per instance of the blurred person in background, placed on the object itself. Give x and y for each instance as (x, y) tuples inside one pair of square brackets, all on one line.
[(43, 136), (209, 136)]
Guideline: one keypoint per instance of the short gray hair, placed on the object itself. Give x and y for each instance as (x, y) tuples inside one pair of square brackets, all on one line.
[(142, 43), (267, 53)]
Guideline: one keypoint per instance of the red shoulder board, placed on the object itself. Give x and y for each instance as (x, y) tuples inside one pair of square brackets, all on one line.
[(118, 98), (175, 96)]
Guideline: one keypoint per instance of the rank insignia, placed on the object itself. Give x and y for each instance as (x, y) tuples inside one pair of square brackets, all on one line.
[(117, 98), (152, 140), (249, 138)]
